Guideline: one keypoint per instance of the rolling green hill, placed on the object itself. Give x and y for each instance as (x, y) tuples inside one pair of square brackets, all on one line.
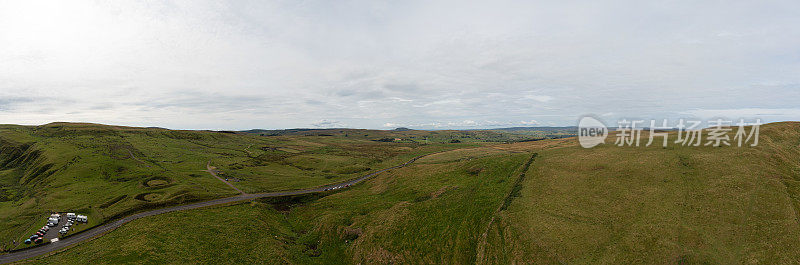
[(674, 205), (539, 202), (112, 171), (404, 135)]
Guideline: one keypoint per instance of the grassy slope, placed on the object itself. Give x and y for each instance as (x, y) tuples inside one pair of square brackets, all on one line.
[(221, 235), (602, 205), (322, 160), (109, 171), (429, 212), (653, 205)]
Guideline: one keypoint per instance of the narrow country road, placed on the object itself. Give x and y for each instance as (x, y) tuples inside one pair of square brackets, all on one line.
[(213, 172), (100, 230)]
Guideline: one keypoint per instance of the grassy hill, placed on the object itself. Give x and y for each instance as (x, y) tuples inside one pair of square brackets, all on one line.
[(479, 204), (404, 135), (428, 213), (684, 205), (111, 171), (102, 171)]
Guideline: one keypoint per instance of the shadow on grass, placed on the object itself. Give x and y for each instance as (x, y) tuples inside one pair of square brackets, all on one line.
[(285, 203)]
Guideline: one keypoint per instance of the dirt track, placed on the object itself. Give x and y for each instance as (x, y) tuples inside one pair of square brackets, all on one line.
[(213, 172)]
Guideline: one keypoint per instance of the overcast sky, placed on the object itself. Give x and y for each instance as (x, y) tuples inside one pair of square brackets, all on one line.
[(373, 64)]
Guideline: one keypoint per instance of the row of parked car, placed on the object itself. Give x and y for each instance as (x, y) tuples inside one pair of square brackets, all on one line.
[(71, 219), (53, 221), (38, 237), (337, 187)]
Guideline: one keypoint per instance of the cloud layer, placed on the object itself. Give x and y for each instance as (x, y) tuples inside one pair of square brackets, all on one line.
[(372, 64)]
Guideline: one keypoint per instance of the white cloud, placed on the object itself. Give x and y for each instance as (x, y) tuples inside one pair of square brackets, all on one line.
[(261, 64), (540, 98), (462, 124), (530, 122), (329, 124), (745, 113)]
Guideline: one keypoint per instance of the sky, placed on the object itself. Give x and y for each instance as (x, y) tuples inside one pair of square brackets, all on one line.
[(238, 65)]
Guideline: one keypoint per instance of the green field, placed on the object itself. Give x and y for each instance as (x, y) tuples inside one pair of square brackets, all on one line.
[(112, 171), (428, 212), (474, 205), (674, 205)]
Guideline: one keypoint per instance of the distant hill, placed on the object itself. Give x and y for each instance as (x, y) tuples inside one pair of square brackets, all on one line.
[(545, 129), (513, 134), (537, 202)]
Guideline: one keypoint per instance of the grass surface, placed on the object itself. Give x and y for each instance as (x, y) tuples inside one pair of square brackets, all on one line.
[(422, 213), (607, 205), (690, 205), (113, 171)]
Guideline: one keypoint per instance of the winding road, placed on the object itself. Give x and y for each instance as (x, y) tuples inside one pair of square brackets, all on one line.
[(102, 229)]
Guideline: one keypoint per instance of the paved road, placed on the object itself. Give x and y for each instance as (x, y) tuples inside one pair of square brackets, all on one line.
[(100, 230)]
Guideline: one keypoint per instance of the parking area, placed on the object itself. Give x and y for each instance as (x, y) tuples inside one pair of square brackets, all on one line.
[(58, 225)]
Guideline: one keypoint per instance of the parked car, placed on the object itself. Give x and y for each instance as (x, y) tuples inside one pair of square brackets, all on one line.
[(53, 221)]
